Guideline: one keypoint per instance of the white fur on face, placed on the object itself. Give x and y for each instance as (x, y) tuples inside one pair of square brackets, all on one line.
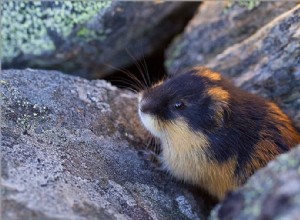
[(150, 123)]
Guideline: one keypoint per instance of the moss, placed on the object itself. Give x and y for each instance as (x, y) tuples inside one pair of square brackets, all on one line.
[(249, 4), (83, 32), (26, 25), (3, 82)]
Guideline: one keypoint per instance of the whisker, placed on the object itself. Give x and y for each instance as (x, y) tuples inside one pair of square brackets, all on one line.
[(128, 88), (146, 70), (149, 142), (157, 148), (136, 81), (139, 67), (133, 77), (127, 84)]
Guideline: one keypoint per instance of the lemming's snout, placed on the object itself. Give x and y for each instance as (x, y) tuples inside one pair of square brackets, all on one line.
[(145, 106)]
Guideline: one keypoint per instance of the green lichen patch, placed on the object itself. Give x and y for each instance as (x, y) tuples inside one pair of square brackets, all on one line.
[(249, 4), (28, 27), (21, 111)]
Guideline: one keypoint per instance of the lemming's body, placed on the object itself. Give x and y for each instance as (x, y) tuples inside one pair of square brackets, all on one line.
[(213, 134)]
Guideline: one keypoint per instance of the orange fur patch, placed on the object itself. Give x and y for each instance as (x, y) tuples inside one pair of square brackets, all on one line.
[(265, 151), (218, 94), (221, 97), (208, 73), (285, 126), (157, 84)]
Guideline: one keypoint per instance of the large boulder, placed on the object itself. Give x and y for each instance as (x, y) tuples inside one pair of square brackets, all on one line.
[(68, 151), (272, 193), (268, 62), (217, 26), (90, 39)]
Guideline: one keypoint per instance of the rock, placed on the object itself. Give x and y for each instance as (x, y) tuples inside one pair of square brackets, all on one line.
[(87, 38), (68, 152), (209, 34), (271, 193), (268, 63)]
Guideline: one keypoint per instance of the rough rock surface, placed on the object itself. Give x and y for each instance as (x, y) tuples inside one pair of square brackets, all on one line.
[(209, 34), (68, 153), (87, 38), (271, 193), (268, 62)]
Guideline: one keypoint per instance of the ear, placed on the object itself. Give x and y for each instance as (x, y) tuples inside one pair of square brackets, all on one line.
[(219, 105)]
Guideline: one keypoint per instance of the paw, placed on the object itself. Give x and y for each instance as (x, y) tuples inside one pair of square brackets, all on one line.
[(152, 158)]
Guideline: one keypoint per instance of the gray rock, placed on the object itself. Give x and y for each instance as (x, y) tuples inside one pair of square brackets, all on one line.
[(272, 193), (209, 34), (69, 152), (268, 62), (87, 38)]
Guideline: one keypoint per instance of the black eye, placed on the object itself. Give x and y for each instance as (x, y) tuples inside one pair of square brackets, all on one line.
[(179, 105)]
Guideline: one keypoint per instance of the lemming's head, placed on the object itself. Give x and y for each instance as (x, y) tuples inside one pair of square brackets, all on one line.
[(194, 99)]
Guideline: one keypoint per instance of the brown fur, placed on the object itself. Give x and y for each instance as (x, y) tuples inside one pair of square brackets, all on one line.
[(266, 151)]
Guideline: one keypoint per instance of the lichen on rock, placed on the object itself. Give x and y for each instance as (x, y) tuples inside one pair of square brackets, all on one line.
[(41, 25), (86, 38)]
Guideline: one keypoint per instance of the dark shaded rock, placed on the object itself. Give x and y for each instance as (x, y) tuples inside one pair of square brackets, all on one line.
[(217, 27), (268, 63), (87, 38), (271, 193), (68, 153)]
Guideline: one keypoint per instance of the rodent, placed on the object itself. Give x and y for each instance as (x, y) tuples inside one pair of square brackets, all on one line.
[(213, 134)]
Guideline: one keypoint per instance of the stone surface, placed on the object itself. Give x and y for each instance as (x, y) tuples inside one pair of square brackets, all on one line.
[(87, 38), (69, 152), (217, 26), (271, 193), (268, 62)]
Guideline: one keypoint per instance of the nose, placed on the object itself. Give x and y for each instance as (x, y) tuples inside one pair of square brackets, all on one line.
[(145, 107)]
